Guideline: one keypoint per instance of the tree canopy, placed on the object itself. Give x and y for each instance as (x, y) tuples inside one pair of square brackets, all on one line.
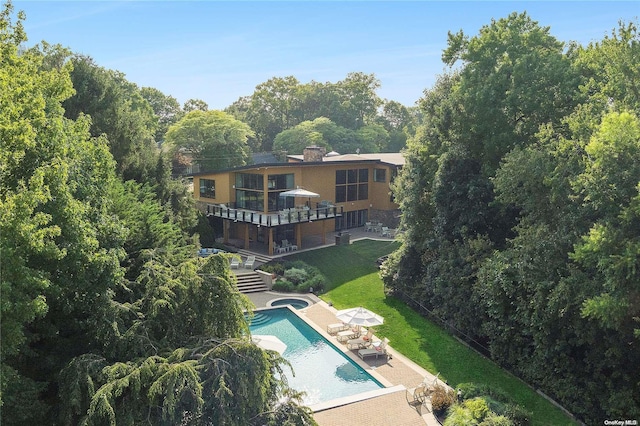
[(283, 103), (520, 208), (107, 315), (215, 139)]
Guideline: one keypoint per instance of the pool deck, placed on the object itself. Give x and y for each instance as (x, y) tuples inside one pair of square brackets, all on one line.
[(388, 406)]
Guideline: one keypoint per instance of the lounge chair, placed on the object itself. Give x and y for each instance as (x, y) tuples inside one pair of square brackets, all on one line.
[(334, 328), (251, 260), (235, 263), (361, 342), (345, 335), (377, 350)]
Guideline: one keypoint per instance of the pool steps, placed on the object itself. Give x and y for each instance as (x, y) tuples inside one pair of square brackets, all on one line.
[(260, 319)]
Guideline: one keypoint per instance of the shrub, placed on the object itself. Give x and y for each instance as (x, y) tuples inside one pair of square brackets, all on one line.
[(458, 416), (477, 407), (296, 275), (495, 406), (493, 419), (273, 268), (442, 398), (472, 390), (517, 414), (318, 282), (283, 285)]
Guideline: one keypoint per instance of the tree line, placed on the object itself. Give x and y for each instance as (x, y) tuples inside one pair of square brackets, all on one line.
[(108, 315), (521, 209)]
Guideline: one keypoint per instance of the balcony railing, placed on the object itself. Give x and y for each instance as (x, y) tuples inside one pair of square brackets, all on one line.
[(284, 217)]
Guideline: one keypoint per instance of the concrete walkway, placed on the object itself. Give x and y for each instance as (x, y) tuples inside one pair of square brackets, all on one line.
[(397, 372)]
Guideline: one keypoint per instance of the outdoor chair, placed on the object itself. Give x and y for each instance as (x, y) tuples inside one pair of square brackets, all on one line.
[(377, 350), (345, 335), (361, 342), (235, 263), (421, 392), (385, 232), (335, 328), (251, 260)]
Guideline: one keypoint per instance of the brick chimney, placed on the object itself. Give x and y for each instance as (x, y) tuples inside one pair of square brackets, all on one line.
[(313, 153)]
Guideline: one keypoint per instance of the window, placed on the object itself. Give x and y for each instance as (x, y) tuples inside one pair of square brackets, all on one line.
[(250, 200), (379, 175), (352, 185), (207, 188), (281, 181), (249, 181)]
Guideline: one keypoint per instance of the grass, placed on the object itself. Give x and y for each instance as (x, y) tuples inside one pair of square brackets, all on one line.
[(353, 281)]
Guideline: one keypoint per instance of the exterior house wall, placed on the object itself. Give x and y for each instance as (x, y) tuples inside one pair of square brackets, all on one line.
[(318, 177)]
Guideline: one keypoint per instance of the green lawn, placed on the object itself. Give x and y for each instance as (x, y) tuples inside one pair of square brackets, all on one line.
[(354, 281)]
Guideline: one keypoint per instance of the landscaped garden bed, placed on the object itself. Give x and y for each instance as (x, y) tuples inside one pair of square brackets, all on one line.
[(295, 276)]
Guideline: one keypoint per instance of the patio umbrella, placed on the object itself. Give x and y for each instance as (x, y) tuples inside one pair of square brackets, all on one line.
[(299, 192), (359, 316), (269, 342)]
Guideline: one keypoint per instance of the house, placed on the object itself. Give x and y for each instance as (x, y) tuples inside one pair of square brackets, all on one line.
[(245, 203)]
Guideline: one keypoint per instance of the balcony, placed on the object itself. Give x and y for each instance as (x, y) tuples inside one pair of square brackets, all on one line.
[(284, 217)]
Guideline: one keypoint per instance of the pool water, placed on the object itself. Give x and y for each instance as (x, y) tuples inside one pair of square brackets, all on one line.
[(296, 303), (321, 370)]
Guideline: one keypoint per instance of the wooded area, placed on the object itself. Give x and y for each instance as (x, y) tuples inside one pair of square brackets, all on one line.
[(520, 216), (521, 210)]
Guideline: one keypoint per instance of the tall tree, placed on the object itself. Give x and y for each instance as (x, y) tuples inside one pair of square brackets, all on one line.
[(119, 111), (195, 105), (515, 77), (166, 108), (215, 139), (60, 246), (358, 98)]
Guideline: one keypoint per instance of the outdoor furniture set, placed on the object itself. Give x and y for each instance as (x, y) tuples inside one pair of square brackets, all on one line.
[(379, 228), (350, 330), (235, 262), (420, 393), (286, 247)]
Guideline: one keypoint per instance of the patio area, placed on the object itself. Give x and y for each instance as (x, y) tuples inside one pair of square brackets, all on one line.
[(392, 407), (313, 242)]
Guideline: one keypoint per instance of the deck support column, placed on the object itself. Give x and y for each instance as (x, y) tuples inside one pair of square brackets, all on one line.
[(270, 241), (225, 231), (246, 236), (298, 236), (324, 232)]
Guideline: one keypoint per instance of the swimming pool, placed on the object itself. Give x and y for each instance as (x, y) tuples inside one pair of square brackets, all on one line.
[(321, 370)]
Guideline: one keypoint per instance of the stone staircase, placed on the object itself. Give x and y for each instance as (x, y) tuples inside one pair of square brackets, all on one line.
[(250, 282)]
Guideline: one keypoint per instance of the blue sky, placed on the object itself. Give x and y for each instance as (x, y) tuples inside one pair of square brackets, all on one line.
[(219, 51)]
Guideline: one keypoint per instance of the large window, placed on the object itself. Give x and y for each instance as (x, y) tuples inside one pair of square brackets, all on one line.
[(207, 188), (281, 181), (352, 185), (250, 200), (379, 175), (249, 181), (276, 185)]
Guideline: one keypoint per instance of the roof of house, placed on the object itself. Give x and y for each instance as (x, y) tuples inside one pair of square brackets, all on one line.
[(263, 157), (393, 158)]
